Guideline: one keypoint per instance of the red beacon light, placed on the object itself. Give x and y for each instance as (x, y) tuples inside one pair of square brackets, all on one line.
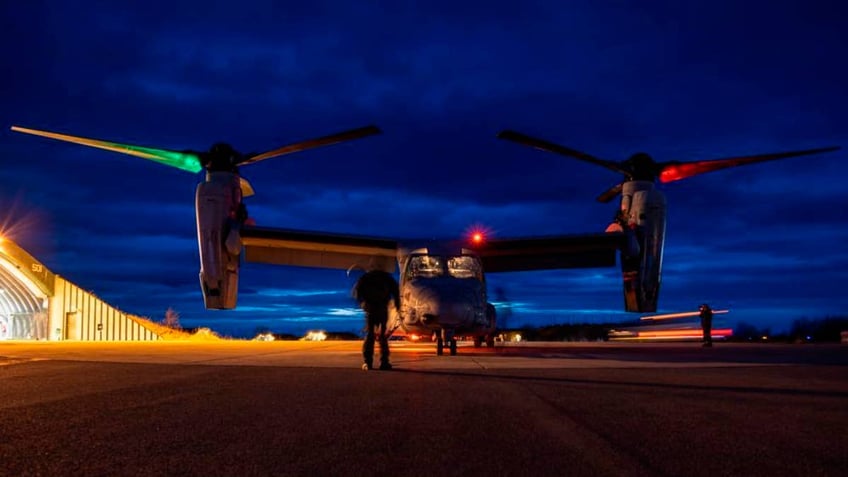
[(476, 235)]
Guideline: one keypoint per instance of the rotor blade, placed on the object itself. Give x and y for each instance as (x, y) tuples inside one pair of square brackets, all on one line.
[(313, 143), (610, 193), (186, 161), (551, 147), (246, 188), (676, 171)]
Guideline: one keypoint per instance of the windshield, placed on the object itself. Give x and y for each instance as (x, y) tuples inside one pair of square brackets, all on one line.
[(464, 266), (425, 266), (430, 266)]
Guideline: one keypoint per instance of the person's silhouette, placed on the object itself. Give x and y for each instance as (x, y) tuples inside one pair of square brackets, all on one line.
[(373, 291)]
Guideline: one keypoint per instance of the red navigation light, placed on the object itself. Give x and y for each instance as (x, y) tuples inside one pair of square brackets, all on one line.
[(676, 172), (476, 235)]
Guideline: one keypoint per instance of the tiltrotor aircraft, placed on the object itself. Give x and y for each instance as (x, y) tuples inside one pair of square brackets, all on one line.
[(442, 283)]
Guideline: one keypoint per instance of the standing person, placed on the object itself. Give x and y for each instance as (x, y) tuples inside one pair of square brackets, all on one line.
[(373, 291), (707, 324)]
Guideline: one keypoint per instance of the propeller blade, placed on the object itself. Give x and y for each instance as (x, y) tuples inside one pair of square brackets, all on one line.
[(186, 161), (551, 147), (610, 193), (313, 143), (675, 171), (246, 188)]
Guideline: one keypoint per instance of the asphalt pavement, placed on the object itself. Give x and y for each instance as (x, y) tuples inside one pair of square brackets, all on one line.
[(295, 408)]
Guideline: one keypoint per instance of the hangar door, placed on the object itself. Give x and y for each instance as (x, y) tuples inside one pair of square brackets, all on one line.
[(23, 295)]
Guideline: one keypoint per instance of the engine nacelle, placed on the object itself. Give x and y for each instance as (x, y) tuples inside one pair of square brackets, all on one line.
[(644, 208), (219, 213)]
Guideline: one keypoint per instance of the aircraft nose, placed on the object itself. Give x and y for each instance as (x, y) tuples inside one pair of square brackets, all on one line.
[(448, 304)]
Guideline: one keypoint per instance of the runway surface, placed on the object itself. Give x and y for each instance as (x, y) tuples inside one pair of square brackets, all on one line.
[(300, 408)]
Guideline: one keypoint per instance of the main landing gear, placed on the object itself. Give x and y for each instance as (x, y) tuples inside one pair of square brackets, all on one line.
[(443, 337), (489, 339)]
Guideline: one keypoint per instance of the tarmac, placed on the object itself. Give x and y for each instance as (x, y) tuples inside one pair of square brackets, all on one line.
[(306, 408)]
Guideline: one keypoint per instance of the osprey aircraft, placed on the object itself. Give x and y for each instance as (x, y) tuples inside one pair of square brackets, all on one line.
[(442, 283)]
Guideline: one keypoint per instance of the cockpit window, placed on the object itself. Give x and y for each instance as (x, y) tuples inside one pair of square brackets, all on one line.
[(430, 266), (464, 267), (426, 266)]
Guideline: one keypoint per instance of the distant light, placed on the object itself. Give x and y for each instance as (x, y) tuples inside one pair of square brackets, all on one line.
[(477, 237), (517, 337), (315, 336)]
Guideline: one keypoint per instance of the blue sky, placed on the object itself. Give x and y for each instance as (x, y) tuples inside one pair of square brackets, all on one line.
[(680, 80)]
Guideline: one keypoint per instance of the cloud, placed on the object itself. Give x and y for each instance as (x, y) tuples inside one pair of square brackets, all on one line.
[(682, 81)]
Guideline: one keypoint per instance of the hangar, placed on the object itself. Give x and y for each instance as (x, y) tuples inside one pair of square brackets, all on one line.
[(36, 304)]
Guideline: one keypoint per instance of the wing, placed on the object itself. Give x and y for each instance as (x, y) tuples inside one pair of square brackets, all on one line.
[(318, 249), (546, 253)]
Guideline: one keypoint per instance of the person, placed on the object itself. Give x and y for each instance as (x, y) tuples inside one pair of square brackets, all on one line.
[(706, 324), (373, 291)]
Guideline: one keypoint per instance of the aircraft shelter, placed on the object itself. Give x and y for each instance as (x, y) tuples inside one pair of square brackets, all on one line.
[(36, 304)]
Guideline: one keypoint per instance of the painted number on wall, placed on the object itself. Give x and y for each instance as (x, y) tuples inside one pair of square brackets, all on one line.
[(37, 267)]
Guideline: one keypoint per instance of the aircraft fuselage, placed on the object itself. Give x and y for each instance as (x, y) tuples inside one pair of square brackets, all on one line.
[(443, 292)]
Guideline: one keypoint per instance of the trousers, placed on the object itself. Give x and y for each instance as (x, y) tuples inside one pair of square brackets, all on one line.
[(376, 322)]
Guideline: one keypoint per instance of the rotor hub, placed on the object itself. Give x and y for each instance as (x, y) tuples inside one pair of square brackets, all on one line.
[(641, 167), (221, 158)]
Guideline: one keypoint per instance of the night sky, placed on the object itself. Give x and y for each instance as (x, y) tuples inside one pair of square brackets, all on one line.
[(679, 80)]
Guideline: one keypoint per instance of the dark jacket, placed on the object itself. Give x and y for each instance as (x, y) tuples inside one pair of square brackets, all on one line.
[(375, 289)]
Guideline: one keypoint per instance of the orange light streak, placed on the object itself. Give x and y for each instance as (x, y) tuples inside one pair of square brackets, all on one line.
[(693, 333), (684, 314)]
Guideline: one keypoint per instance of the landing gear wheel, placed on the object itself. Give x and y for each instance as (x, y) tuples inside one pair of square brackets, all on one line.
[(490, 341), (440, 346), (478, 341), (453, 347)]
